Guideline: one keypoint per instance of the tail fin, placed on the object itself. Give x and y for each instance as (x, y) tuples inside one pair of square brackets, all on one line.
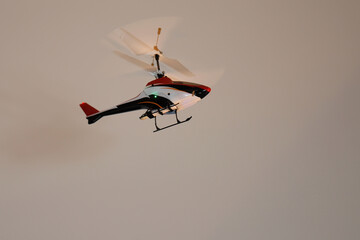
[(88, 110)]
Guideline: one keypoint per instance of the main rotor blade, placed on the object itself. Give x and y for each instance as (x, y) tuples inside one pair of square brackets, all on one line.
[(208, 77), (137, 62), (134, 44), (176, 65)]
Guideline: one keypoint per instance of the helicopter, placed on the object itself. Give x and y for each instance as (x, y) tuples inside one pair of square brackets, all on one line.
[(161, 96)]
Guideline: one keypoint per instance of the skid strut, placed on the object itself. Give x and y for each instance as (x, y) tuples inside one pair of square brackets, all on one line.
[(171, 125)]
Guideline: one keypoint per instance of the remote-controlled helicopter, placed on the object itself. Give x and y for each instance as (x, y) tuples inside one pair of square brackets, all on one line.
[(160, 96)]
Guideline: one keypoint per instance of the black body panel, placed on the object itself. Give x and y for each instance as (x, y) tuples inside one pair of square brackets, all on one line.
[(149, 103)]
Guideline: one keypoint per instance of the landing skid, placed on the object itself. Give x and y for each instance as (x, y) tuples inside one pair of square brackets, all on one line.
[(177, 123)]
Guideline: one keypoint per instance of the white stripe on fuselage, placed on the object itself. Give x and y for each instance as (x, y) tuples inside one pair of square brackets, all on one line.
[(181, 98)]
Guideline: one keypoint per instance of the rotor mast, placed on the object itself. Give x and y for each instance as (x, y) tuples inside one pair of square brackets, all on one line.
[(157, 56)]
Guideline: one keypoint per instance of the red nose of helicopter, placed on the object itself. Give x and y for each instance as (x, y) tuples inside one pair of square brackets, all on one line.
[(202, 91)]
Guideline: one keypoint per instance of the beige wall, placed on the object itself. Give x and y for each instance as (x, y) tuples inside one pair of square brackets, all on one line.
[(271, 153)]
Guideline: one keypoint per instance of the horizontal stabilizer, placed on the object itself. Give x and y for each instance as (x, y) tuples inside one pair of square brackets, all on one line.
[(94, 118)]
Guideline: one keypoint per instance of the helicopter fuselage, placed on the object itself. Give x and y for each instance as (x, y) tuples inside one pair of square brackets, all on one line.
[(160, 96), (166, 95)]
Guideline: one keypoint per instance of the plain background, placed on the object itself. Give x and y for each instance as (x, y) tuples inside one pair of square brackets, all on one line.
[(272, 153)]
